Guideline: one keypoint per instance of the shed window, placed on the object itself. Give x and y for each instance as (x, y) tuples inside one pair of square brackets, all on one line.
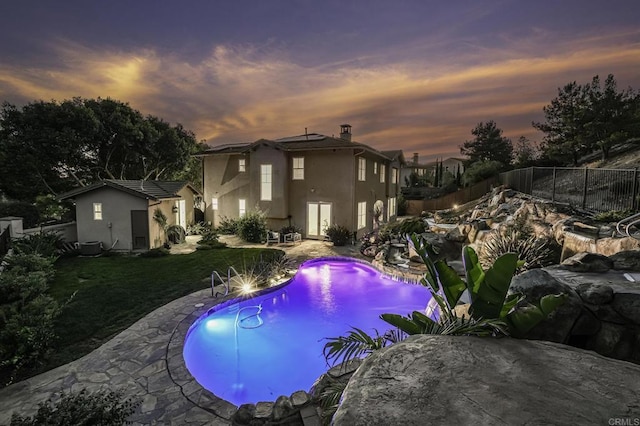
[(242, 165), (97, 211)]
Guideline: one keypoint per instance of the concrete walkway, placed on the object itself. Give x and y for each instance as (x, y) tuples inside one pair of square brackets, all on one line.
[(137, 359)]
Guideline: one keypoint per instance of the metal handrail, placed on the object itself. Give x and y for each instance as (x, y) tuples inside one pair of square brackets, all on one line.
[(215, 274), (626, 224)]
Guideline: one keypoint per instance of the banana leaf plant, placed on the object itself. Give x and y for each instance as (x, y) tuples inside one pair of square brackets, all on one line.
[(488, 290)]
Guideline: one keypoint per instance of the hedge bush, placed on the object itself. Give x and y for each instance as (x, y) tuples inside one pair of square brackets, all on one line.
[(339, 235), (252, 227)]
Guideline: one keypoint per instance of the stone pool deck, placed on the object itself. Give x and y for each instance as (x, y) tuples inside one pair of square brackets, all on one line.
[(137, 360)]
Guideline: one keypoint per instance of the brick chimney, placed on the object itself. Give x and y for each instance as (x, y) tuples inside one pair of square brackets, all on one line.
[(415, 158), (345, 132)]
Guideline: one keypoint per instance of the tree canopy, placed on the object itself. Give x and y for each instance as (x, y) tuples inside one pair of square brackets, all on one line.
[(586, 118), (51, 147), (488, 145)]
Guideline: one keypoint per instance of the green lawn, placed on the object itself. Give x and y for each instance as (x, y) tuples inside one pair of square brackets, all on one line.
[(114, 292)]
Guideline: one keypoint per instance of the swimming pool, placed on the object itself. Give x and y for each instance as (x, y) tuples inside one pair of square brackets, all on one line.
[(271, 345)]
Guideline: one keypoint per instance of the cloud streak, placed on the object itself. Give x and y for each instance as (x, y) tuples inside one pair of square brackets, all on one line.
[(241, 93)]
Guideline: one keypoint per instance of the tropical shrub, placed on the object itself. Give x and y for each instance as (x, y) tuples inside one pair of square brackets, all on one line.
[(488, 290), (252, 227), (228, 226), (533, 251), (27, 316), (175, 234), (339, 235), (44, 243), (199, 228), (31, 262), (100, 408), (209, 240)]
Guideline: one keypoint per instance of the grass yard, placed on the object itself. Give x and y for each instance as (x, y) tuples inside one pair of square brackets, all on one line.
[(114, 292)]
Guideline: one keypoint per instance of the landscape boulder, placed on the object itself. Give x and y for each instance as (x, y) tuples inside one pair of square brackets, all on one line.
[(588, 262), (462, 380), (535, 284), (627, 260)]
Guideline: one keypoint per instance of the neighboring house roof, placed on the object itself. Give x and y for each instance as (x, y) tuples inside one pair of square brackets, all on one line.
[(149, 189), (307, 142), (396, 154)]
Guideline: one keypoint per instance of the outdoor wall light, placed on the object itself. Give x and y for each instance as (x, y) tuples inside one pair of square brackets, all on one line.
[(174, 209)]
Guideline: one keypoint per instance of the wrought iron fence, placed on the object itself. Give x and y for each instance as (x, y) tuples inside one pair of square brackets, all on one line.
[(591, 189)]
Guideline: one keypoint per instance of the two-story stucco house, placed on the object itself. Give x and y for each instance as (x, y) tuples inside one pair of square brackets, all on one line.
[(311, 181)]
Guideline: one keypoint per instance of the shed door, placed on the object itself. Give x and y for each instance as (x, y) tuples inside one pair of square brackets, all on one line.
[(140, 229), (182, 213)]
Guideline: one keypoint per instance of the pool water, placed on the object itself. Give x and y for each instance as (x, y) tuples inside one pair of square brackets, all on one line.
[(271, 345)]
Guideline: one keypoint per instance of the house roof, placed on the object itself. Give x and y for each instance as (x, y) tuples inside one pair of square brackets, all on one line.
[(306, 142), (396, 154), (149, 189)]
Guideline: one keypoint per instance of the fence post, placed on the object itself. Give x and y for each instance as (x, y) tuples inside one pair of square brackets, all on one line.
[(634, 200), (584, 191)]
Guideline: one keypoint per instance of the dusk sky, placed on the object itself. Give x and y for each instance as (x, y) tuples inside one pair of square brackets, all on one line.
[(410, 75)]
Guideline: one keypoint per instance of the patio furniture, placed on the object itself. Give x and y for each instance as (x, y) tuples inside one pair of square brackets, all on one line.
[(273, 237), (293, 237)]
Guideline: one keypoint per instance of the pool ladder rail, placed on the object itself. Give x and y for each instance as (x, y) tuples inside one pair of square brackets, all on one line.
[(231, 273), (629, 224)]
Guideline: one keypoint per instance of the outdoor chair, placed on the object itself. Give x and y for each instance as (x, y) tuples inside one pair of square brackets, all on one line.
[(273, 237), (293, 237)]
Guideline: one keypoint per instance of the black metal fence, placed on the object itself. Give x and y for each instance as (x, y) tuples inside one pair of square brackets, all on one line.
[(5, 241), (591, 189)]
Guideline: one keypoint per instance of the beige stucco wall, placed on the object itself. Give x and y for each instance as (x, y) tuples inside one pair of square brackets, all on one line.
[(115, 226), (222, 180), (330, 176), (278, 208)]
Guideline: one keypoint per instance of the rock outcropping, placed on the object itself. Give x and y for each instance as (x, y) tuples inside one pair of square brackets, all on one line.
[(432, 380)]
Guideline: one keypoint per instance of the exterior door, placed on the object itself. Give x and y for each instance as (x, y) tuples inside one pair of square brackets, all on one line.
[(139, 229), (318, 219), (182, 213)]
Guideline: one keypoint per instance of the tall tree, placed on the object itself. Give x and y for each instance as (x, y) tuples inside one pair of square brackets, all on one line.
[(587, 118), (488, 145), (525, 153), (51, 147)]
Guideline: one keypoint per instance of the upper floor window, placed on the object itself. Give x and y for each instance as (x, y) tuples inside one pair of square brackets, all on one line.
[(298, 168), (242, 165), (362, 169), (375, 167), (394, 175), (383, 171), (362, 214), (97, 211), (242, 207), (266, 180), (214, 204)]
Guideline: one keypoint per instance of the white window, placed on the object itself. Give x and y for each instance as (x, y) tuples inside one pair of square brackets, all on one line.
[(391, 210), (242, 207), (362, 169), (362, 214), (97, 211), (242, 165), (298, 168), (214, 204), (382, 172), (266, 180), (394, 175), (375, 167)]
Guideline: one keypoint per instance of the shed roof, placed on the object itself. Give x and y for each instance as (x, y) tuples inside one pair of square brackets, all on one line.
[(149, 189)]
